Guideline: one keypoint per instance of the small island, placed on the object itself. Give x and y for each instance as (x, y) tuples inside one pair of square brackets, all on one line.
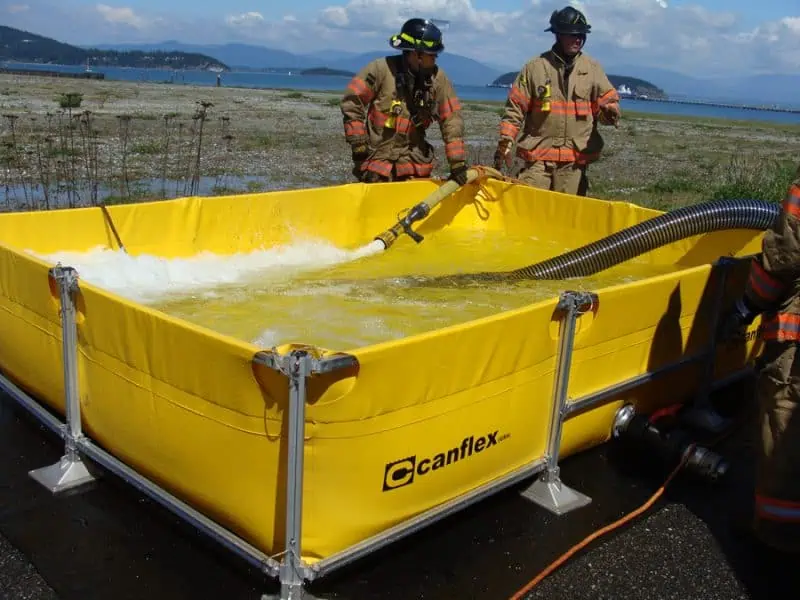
[(628, 87), (327, 71), (25, 47)]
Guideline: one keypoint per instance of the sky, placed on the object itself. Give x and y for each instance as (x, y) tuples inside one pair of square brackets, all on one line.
[(695, 37)]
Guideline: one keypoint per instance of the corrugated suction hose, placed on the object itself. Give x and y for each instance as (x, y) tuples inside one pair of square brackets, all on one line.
[(638, 239)]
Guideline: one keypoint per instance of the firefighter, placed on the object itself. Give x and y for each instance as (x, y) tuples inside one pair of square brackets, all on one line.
[(391, 102), (773, 290), (557, 101)]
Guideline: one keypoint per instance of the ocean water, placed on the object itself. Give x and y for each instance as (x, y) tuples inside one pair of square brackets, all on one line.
[(335, 84)]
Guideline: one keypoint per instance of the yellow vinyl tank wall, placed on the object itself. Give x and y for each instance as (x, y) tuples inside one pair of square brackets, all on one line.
[(419, 421)]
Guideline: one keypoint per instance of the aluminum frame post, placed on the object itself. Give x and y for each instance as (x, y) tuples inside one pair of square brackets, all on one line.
[(298, 366), (548, 491), (70, 471), (292, 568), (702, 414)]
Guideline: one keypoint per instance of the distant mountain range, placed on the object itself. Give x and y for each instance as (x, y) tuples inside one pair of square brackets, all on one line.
[(754, 89), (761, 89), (24, 46), (461, 69)]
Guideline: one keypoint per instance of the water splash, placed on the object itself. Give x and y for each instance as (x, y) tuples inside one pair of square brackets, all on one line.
[(315, 292), (149, 278), (374, 247)]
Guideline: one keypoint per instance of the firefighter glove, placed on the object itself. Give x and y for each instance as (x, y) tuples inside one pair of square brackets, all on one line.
[(370, 177), (360, 154), (503, 154), (458, 172), (733, 323), (610, 114)]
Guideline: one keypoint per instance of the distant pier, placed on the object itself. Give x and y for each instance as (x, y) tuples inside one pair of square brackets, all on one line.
[(47, 73), (779, 109)]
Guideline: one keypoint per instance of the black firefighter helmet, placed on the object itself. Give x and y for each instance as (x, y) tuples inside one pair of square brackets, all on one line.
[(420, 35), (569, 21)]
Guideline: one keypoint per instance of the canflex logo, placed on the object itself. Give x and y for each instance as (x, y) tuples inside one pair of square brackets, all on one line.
[(746, 336), (403, 472)]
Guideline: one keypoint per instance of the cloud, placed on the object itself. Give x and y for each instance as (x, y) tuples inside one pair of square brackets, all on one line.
[(687, 37), (120, 16), (247, 19), (389, 15), (779, 41), (335, 16), (655, 33), (792, 23)]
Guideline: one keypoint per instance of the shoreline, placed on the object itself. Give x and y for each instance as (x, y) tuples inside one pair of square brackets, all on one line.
[(711, 104), (777, 109)]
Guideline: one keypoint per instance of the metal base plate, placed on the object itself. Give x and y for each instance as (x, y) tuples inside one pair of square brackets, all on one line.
[(64, 475), (291, 593), (555, 496)]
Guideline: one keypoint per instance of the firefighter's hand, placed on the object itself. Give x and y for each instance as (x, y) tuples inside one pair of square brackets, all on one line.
[(733, 323), (360, 154), (610, 114), (458, 172), (503, 154), (370, 177)]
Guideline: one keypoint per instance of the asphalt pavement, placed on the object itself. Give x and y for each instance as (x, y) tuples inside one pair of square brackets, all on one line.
[(109, 542)]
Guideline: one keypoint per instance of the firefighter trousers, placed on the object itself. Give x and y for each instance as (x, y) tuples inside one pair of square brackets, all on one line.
[(777, 493), (365, 176), (568, 178)]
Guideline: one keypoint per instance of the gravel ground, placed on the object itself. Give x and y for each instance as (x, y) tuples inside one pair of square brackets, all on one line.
[(107, 541), (19, 580), (261, 139)]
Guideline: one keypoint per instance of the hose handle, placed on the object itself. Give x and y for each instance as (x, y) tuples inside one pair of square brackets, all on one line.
[(411, 233)]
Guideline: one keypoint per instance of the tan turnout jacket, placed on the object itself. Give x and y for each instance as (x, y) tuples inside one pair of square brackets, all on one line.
[(398, 136), (774, 287), (563, 127), (774, 282)]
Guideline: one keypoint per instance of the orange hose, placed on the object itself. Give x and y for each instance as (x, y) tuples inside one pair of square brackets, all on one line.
[(619, 522), (590, 538)]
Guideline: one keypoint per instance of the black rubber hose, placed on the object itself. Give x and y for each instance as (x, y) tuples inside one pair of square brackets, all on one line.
[(672, 446), (638, 239)]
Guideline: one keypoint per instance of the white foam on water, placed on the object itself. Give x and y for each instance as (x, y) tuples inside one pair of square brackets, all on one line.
[(268, 338), (148, 278)]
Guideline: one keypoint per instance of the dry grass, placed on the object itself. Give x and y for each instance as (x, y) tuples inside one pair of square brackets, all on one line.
[(128, 141)]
